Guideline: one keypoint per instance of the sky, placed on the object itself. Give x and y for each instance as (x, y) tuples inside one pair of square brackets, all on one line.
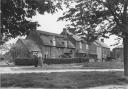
[(49, 22)]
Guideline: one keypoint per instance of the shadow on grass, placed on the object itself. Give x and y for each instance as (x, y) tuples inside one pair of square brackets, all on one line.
[(63, 80)]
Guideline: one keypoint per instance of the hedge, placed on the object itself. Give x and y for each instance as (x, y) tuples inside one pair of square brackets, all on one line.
[(30, 61), (24, 61)]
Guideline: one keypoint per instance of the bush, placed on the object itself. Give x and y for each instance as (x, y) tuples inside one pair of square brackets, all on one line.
[(30, 61)]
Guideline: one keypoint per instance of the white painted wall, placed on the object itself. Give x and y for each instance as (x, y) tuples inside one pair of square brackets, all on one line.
[(99, 52)]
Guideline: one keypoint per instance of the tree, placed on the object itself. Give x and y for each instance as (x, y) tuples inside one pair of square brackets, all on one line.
[(96, 18), (8, 50), (16, 16)]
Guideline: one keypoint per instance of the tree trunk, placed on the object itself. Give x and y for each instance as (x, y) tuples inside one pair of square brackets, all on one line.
[(88, 51), (125, 44)]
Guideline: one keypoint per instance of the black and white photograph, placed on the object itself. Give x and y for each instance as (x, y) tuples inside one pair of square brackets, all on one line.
[(63, 44)]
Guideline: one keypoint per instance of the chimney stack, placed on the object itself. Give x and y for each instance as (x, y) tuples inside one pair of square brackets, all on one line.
[(64, 32)]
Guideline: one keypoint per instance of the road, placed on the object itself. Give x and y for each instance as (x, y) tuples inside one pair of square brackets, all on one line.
[(13, 70), (100, 87)]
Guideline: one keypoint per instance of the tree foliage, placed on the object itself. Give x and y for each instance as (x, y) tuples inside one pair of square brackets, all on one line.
[(96, 18), (6, 47), (16, 15)]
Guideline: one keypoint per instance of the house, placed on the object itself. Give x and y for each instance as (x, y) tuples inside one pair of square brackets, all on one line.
[(7, 56), (94, 50), (117, 53), (65, 45), (98, 51), (81, 47), (24, 47), (51, 45), (103, 51)]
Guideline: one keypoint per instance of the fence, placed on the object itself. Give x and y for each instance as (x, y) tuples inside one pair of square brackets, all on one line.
[(30, 61)]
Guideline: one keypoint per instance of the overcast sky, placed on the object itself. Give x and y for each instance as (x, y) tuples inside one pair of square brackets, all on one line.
[(49, 22)]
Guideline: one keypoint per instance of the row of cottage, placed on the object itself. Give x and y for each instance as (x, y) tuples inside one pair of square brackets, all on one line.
[(65, 45)]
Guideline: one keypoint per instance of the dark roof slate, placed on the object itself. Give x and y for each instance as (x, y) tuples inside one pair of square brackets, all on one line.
[(60, 42), (70, 45), (48, 33), (47, 38), (31, 46)]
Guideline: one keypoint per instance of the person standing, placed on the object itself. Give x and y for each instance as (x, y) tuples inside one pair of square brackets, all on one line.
[(40, 58), (35, 59)]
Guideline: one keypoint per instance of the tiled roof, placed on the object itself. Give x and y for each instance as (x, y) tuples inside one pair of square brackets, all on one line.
[(48, 33), (30, 45), (96, 43), (46, 40), (102, 44), (60, 42), (70, 45), (77, 38)]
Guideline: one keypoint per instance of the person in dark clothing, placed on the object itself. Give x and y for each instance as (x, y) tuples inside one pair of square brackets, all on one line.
[(36, 60), (40, 59)]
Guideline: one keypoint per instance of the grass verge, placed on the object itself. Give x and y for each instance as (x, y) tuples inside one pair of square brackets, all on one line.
[(63, 80)]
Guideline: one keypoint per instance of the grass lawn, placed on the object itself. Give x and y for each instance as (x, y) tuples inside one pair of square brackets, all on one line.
[(62, 80), (105, 65), (93, 65)]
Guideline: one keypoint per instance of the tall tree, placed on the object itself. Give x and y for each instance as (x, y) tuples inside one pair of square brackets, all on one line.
[(95, 18), (16, 16)]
